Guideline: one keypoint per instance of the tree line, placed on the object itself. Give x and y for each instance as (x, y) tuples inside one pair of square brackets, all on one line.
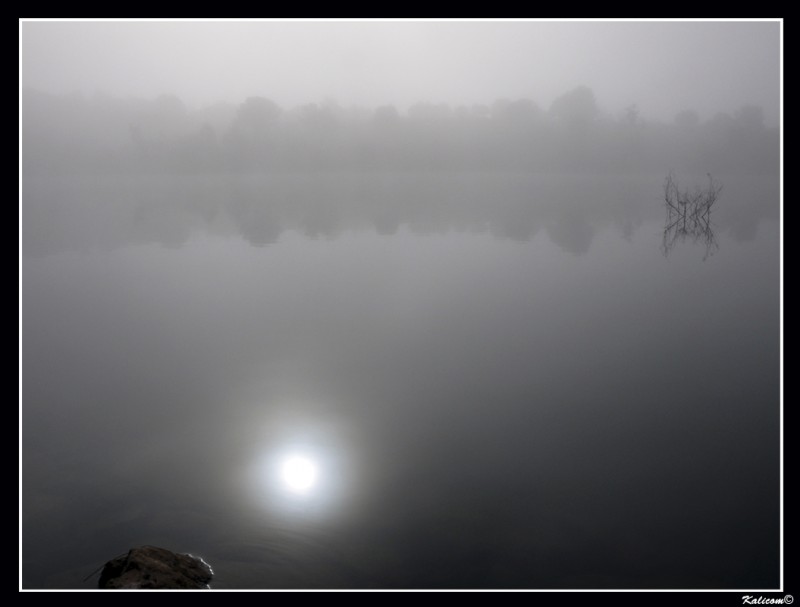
[(104, 134)]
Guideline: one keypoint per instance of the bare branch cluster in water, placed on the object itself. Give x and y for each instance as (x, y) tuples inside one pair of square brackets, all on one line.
[(689, 214)]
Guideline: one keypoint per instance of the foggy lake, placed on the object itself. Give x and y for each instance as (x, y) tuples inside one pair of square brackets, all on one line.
[(485, 379), (402, 304)]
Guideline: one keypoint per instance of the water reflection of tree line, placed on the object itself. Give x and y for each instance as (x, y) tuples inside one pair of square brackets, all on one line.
[(70, 213), (689, 214), (99, 213)]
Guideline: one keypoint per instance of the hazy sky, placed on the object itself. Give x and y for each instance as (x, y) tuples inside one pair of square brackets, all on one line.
[(662, 67)]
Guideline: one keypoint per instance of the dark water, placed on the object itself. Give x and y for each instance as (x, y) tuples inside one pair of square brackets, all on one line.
[(502, 380)]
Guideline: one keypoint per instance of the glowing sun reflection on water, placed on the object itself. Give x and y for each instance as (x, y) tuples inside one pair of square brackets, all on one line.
[(298, 473), (299, 468)]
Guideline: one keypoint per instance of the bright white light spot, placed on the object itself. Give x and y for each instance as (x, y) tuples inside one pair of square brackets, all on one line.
[(299, 474)]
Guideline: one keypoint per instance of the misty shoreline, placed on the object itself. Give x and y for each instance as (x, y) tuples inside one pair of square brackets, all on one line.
[(105, 135)]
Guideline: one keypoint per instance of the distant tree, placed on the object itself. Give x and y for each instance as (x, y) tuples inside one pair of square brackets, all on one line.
[(499, 108), (318, 118), (576, 108), (250, 139), (256, 117), (631, 115), (166, 118), (386, 115)]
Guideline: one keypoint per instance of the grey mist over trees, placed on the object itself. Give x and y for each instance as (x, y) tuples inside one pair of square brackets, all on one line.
[(401, 95), (576, 132), (660, 67)]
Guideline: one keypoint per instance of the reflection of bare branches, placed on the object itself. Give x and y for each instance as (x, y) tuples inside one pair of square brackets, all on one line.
[(689, 215)]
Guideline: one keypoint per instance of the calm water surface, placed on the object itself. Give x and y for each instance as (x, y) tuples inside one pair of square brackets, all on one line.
[(497, 381)]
